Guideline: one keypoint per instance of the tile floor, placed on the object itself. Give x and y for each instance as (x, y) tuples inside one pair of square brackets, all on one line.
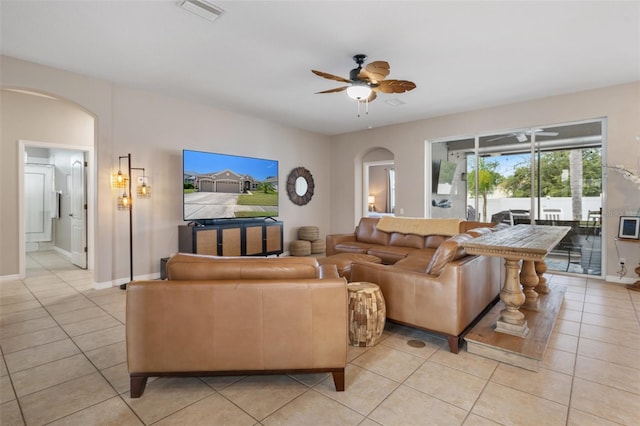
[(63, 363)]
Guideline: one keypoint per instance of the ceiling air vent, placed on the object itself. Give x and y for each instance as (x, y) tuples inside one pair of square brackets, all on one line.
[(394, 102), (202, 8)]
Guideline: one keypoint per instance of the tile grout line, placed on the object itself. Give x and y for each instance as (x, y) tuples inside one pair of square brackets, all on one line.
[(575, 355), (97, 370)]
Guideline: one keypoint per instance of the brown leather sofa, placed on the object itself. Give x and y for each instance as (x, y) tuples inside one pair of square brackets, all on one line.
[(237, 316), (393, 246), (428, 282)]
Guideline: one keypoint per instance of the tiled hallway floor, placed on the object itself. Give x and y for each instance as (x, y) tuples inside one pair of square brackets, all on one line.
[(64, 363)]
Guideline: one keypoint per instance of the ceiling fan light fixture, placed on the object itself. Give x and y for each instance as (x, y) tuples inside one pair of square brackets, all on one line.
[(359, 92), (202, 8)]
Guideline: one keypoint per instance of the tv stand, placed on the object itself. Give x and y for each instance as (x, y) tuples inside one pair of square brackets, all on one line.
[(247, 237)]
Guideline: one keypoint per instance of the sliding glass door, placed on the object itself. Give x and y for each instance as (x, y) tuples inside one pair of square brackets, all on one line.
[(549, 175)]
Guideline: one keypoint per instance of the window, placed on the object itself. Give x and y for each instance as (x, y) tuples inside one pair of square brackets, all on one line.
[(551, 175)]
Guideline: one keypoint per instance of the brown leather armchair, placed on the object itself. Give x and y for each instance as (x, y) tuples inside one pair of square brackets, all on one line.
[(237, 316)]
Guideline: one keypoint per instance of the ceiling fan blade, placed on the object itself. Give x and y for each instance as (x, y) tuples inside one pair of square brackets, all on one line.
[(337, 89), (540, 132), (522, 136), (375, 71), (501, 137), (396, 86), (330, 76)]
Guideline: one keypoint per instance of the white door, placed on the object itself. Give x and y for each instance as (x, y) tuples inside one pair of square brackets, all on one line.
[(38, 196), (78, 211)]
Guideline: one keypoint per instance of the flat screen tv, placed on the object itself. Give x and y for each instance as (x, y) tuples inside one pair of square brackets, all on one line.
[(222, 186)]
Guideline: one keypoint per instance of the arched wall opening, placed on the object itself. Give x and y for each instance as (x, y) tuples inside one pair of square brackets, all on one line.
[(35, 121)]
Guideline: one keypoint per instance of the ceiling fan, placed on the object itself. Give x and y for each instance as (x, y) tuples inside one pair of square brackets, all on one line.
[(365, 83), (523, 136)]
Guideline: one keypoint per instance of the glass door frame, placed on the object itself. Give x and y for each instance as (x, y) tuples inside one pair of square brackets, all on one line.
[(534, 146)]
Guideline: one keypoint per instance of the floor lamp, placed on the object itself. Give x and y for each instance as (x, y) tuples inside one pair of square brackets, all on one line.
[(121, 180)]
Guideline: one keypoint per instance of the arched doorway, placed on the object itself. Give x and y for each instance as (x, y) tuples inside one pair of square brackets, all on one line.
[(61, 134), (378, 183)]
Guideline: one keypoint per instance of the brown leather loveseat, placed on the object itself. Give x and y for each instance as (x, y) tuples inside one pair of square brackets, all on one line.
[(428, 281), (237, 316)]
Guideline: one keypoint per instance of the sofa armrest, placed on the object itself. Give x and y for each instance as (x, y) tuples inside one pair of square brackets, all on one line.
[(328, 271), (335, 239)]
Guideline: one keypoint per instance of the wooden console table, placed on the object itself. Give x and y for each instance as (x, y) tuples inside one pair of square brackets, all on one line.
[(529, 244)]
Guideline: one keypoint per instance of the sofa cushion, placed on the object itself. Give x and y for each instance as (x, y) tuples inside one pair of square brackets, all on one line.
[(406, 240), (342, 262), (367, 232), (186, 267), (413, 263), (425, 253), (434, 241), (449, 251), (352, 247), (389, 254)]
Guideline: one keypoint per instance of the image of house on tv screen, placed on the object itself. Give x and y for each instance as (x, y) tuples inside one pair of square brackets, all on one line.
[(220, 186)]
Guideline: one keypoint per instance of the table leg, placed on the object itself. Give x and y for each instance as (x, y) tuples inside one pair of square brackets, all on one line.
[(529, 281), (635, 286), (512, 320), (541, 268)]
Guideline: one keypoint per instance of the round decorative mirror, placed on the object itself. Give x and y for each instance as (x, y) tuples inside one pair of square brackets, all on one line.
[(300, 186)]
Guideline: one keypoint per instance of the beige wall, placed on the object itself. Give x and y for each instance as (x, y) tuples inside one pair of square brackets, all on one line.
[(36, 119), (619, 104), (155, 129)]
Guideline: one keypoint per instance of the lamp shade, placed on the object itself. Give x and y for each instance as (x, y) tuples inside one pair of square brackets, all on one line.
[(144, 189), (124, 202), (359, 91), (119, 179), (371, 199)]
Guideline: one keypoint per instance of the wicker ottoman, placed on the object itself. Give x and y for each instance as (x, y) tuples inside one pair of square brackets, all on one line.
[(308, 233), (343, 262), (300, 248), (318, 246), (367, 314)]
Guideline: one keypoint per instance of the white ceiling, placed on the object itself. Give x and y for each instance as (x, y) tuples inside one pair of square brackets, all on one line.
[(257, 58)]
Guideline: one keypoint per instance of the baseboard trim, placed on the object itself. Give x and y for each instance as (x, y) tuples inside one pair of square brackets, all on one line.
[(13, 277), (119, 281), (615, 279), (62, 252)]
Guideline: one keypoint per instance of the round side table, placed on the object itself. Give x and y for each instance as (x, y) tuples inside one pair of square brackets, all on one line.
[(367, 313)]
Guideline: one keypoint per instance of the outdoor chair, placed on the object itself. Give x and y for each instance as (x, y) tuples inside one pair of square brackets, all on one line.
[(552, 214)]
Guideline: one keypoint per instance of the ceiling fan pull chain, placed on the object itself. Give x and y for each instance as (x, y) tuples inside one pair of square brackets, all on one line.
[(358, 109), (367, 106)]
